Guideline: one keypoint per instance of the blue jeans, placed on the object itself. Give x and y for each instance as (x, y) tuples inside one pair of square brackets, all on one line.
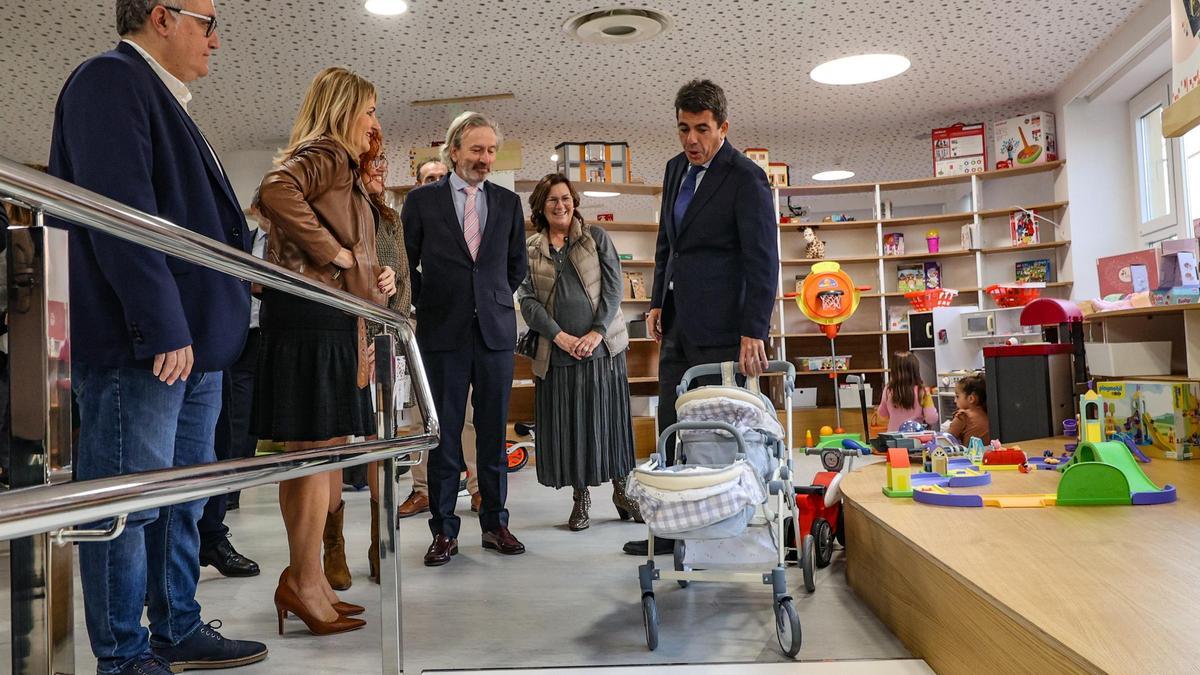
[(131, 422)]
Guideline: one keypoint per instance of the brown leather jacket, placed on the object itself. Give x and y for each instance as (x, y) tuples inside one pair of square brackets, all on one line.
[(317, 206)]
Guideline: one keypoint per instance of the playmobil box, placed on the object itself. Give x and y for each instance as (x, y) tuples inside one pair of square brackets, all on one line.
[(1157, 416), (1028, 139)]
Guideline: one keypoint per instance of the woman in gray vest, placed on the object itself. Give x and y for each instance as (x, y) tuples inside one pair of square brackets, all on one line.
[(572, 300)]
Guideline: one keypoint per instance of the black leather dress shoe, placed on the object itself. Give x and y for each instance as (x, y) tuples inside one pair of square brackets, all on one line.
[(227, 560), (662, 546), (441, 550), (503, 541)]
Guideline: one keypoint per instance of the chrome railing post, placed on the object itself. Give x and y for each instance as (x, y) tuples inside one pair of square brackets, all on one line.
[(391, 620), (40, 375)]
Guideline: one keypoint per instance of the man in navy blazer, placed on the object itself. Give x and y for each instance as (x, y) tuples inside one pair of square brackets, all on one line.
[(150, 334), (466, 250), (716, 263)]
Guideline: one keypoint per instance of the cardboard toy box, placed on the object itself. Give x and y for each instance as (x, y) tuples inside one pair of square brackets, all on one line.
[(1163, 416), (959, 149), (1025, 140), (1127, 272)]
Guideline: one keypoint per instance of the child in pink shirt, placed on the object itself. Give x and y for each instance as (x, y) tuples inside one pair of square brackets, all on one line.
[(905, 398)]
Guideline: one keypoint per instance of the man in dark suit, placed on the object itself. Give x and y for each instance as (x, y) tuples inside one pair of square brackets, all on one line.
[(716, 264), (467, 236), (150, 334)]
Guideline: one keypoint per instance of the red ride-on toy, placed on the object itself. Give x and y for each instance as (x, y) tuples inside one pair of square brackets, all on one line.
[(518, 452), (819, 506)]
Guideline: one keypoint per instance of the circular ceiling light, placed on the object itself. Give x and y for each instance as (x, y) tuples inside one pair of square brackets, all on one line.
[(836, 174), (860, 69), (617, 26), (554, 157), (386, 7), (601, 195)]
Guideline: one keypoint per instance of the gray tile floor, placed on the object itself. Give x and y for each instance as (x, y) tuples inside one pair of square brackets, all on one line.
[(572, 600)]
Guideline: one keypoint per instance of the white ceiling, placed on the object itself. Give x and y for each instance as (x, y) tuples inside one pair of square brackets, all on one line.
[(973, 60)]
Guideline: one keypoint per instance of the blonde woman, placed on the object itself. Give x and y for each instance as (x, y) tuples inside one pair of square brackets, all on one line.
[(311, 389)]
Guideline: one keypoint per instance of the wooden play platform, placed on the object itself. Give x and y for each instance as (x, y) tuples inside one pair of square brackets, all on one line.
[(1058, 589)]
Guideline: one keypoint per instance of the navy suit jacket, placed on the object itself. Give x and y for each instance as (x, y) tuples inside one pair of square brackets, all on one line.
[(450, 289), (120, 132), (723, 256)]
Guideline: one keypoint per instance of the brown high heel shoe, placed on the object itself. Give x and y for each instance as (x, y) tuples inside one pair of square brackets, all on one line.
[(286, 601), (342, 608)]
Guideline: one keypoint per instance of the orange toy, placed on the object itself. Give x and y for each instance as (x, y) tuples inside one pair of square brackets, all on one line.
[(828, 297)]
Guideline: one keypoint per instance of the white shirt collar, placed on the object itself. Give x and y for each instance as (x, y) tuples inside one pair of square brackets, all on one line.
[(177, 88)]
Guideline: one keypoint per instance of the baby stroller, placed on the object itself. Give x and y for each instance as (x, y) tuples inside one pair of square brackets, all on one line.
[(727, 498)]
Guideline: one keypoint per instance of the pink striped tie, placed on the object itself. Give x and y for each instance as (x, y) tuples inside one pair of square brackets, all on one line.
[(471, 222)]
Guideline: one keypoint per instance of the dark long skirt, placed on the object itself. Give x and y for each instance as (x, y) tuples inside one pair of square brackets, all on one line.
[(584, 429), (306, 386)]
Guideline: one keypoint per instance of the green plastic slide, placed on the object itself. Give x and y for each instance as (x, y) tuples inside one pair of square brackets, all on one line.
[(1102, 473)]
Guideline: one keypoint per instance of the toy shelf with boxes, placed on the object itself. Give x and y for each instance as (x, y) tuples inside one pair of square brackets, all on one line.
[(1009, 217)]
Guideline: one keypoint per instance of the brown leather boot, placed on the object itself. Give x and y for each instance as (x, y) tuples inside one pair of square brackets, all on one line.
[(373, 550), (336, 571), (626, 507), (579, 514)]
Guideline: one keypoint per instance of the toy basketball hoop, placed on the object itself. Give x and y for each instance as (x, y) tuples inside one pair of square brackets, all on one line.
[(828, 297)]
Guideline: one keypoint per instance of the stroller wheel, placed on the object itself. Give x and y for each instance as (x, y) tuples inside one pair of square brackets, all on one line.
[(840, 535), (806, 564), (679, 553), (517, 455), (650, 619), (787, 627), (822, 532)]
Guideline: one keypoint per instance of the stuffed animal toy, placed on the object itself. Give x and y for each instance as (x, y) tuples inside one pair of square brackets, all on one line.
[(815, 248)]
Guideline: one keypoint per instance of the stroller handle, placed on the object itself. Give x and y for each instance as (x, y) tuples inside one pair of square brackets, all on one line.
[(700, 426), (785, 367)]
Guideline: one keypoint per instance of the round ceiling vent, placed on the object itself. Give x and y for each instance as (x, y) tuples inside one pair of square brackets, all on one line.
[(617, 26)]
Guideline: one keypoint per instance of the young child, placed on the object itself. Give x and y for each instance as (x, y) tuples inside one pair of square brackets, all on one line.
[(905, 398), (971, 419)]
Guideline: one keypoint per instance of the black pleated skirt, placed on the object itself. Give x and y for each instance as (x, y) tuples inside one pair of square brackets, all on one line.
[(584, 428), (306, 385)]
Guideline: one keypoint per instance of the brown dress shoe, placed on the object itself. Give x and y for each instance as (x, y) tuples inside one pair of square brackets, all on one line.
[(503, 541), (416, 503), (441, 550), (476, 502)]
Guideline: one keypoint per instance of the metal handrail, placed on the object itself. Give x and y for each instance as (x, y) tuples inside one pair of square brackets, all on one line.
[(46, 508)]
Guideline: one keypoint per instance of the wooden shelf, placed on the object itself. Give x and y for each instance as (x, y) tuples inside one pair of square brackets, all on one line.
[(1022, 170), (845, 225), (1027, 247), (637, 263), (645, 189), (843, 260), (623, 300), (1142, 311), (937, 181), (1150, 378), (961, 292), (954, 253), (932, 219), (1004, 213)]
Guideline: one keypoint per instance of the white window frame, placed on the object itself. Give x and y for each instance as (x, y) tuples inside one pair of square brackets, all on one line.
[(1176, 223)]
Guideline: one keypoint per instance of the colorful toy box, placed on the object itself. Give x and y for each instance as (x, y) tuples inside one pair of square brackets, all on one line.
[(959, 149), (1164, 416), (1028, 139)]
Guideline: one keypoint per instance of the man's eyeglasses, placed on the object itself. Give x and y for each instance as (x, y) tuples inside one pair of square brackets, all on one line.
[(380, 163), (210, 20)]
